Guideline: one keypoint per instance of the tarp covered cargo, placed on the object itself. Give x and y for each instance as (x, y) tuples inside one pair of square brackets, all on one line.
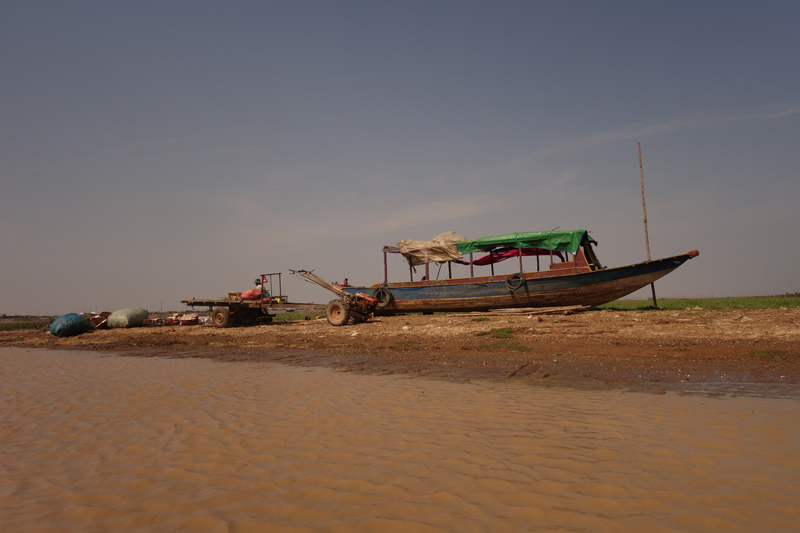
[(437, 250), (70, 325), (564, 240), (132, 317)]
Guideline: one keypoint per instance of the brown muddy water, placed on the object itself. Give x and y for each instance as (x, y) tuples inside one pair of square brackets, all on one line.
[(94, 442)]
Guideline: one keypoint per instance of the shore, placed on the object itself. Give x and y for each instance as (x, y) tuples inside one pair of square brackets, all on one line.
[(694, 351)]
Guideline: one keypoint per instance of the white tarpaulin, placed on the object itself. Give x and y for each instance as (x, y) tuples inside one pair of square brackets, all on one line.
[(437, 250)]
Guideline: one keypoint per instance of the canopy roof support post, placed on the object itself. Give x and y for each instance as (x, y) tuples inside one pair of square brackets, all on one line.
[(537, 261), (491, 260), (450, 269), (427, 272), (471, 266), (385, 269), (411, 272), (519, 252)]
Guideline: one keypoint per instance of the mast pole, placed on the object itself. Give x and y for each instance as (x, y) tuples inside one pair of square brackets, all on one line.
[(644, 209)]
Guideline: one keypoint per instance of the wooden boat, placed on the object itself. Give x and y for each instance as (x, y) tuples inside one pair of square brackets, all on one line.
[(577, 278)]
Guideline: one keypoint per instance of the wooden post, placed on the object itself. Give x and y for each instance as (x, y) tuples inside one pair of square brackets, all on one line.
[(644, 209), (520, 260), (385, 269), (471, 270)]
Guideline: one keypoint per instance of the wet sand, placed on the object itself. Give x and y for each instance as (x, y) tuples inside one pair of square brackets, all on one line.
[(101, 442), (731, 352)]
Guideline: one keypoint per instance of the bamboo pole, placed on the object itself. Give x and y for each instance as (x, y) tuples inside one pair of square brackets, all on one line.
[(644, 209)]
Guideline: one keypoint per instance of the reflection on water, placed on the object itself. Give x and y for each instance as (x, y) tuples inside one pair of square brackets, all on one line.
[(99, 443)]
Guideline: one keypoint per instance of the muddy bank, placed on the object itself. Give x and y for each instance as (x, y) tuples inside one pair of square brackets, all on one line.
[(725, 352)]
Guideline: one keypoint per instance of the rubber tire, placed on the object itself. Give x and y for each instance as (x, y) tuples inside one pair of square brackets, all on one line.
[(337, 313), (510, 285), (221, 317), (384, 297), (247, 317)]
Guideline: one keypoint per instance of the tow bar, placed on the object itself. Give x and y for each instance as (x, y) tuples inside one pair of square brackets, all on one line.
[(358, 306)]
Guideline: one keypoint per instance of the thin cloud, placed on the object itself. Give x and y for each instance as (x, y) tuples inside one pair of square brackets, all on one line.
[(764, 114), (433, 214), (638, 131), (626, 133)]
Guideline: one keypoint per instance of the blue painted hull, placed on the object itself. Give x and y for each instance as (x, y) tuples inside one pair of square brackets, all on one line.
[(579, 286)]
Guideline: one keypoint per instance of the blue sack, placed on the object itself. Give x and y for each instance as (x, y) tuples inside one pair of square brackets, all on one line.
[(70, 325)]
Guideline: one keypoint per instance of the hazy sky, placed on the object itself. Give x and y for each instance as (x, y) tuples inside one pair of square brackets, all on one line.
[(157, 151)]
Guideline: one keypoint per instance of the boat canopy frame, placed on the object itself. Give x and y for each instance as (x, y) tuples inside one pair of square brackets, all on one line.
[(570, 241)]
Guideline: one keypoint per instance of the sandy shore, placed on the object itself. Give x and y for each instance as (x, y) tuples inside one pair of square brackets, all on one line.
[(733, 350)]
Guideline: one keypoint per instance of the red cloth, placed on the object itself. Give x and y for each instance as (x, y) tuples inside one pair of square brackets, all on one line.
[(501, 255)]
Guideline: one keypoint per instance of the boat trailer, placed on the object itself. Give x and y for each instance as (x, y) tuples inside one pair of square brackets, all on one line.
[(233, 310), (358, 306)]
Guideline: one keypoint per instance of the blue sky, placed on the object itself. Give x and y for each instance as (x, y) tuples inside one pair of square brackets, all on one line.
[(157, 151)]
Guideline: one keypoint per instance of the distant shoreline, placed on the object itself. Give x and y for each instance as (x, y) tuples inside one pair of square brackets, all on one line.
[(623, 304)]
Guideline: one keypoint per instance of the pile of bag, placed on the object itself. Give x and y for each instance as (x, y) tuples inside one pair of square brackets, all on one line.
[(252, 294), (73, 324)]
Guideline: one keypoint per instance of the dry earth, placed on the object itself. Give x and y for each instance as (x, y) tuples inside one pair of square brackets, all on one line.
[(693, 351)]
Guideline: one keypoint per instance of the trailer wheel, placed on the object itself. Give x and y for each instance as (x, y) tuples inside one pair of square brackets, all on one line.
[(384, 297), (247, 317), (221, 317), (515, 281), (337, 313)]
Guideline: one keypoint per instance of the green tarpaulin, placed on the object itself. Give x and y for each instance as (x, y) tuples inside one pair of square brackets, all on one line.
[(568, 241)]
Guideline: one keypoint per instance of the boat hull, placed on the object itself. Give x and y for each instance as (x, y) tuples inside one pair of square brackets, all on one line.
[(551, 288)]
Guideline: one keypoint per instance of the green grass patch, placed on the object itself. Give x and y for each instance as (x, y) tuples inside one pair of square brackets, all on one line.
[(768, 354), (291, 317), (13, 326), (481, 319), (408, 342), (157, 342), (758, 302), (513, 346), (497, 333)]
